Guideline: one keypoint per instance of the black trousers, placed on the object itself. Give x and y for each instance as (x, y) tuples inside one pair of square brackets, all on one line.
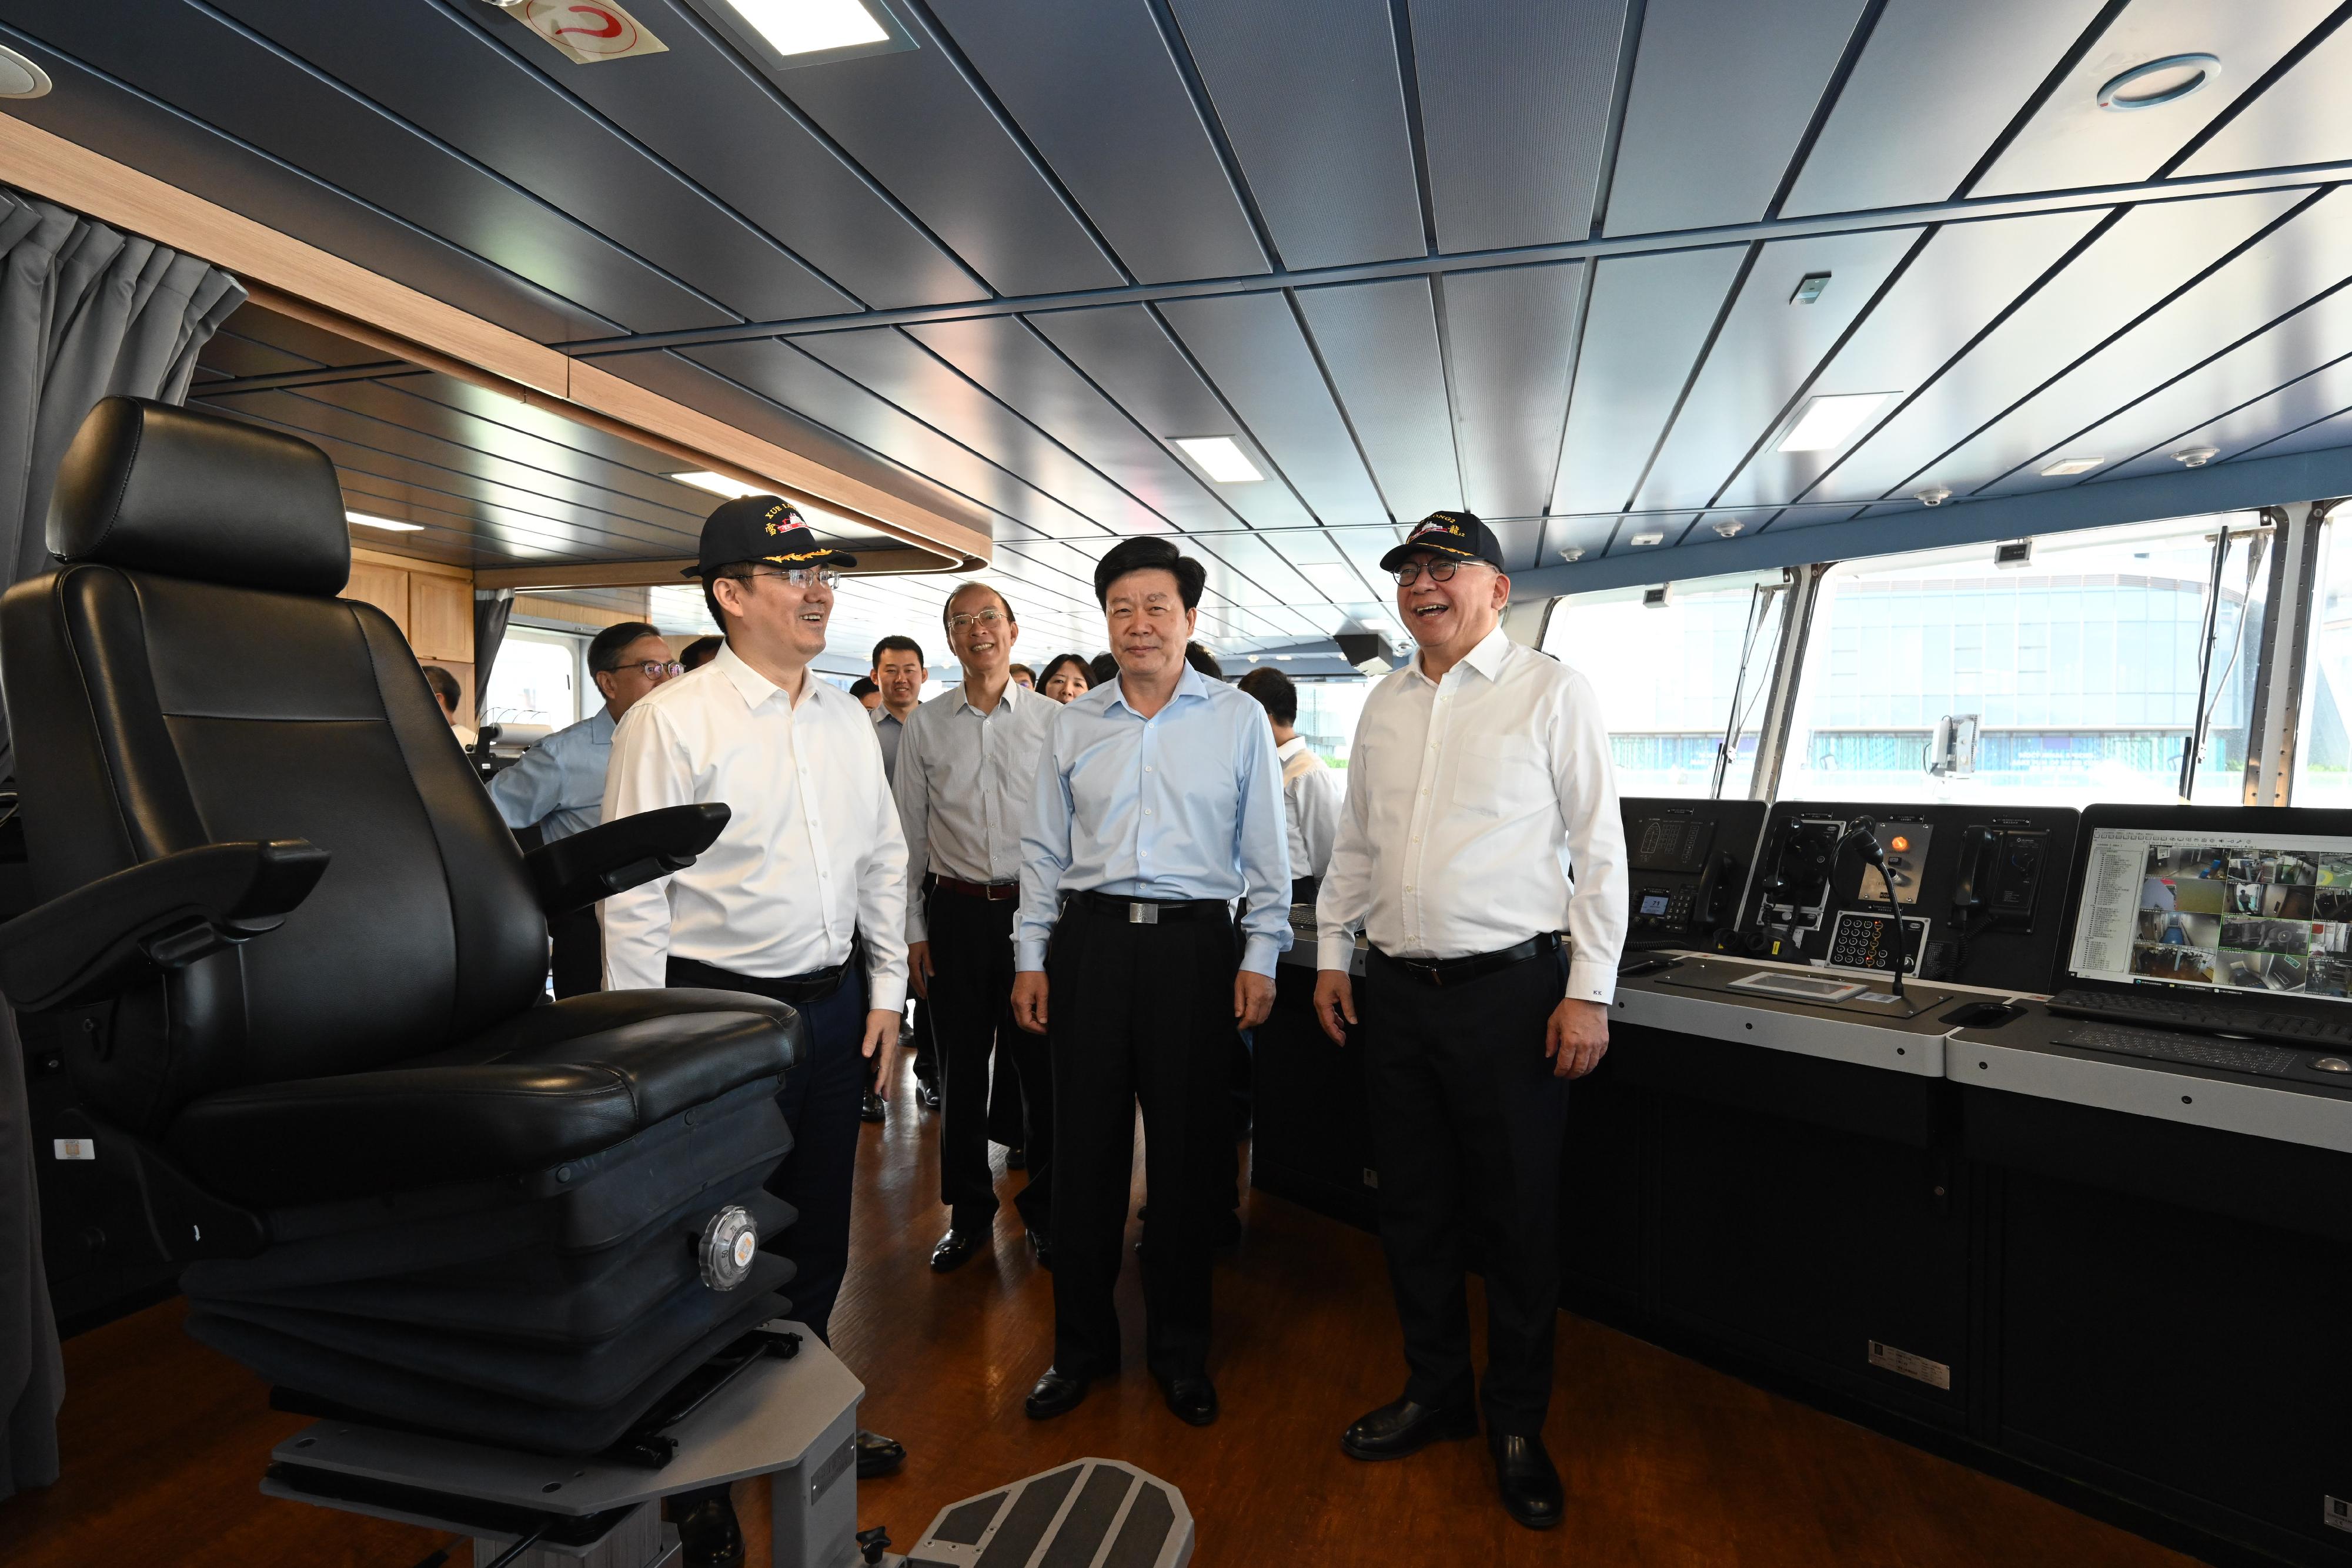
[(1466, 1122), (971, 1014), (1139, 1014), (820, 1099), (578, 965)]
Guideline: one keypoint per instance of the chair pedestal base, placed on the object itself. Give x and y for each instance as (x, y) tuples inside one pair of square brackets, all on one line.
[(792, 1421)]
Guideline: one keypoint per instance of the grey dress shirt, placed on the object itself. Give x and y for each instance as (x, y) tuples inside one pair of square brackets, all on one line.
[(963, 784)]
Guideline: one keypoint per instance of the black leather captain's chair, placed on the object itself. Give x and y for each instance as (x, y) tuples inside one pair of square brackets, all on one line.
[(299, 961)]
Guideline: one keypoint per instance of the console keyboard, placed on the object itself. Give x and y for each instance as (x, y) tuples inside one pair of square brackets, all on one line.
[(2234, 1017), (2234, 1056)]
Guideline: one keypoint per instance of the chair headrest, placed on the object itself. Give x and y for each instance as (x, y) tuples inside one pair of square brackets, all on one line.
[(189, 493)]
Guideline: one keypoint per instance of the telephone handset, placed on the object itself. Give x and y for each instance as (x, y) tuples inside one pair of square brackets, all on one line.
[(1974, 875), (1713, 906)]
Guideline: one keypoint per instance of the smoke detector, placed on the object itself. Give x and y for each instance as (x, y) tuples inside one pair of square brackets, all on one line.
[(2196, 456), (1573, 553), (1725, 530), (1933, 495)]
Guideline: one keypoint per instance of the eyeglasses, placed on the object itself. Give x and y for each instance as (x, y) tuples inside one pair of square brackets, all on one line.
[(1439, 572), (991, 619), (652, 669), (799, 576)]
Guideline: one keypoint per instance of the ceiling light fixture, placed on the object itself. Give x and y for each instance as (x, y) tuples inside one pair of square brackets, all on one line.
[(1826, 422), (1809, 289), (1725, 530), (808, 27), (1219, 458), (2066, 467), (2196, 456), (20, 77), (718, 485), (2159, 82), (388, 524), (1573, 553), (1648, 538), (1933, 495)]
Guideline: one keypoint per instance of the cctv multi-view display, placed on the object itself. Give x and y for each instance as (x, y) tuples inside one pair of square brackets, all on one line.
[(2269, 914)]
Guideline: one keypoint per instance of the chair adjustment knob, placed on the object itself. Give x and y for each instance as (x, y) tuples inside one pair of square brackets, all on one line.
[(728, 1242)]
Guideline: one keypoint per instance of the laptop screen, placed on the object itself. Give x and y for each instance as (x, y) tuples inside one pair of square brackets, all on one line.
[(2264, 912)]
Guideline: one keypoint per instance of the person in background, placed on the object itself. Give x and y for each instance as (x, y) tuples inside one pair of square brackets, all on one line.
[(1065, 677), (967, 767), (558, 786), (1103, 671), (868, 694), (698, 653), (1025, 677), (446, 693), (1481, 855), (803, 897), (1310, 787), (1201, 659), (899, 675), (1158, 803)]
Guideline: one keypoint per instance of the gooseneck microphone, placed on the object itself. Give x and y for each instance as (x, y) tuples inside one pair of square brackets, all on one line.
[(1862, 834)]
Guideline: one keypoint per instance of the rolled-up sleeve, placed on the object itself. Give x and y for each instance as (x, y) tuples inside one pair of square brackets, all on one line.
[(1587, 783), (647, 773)]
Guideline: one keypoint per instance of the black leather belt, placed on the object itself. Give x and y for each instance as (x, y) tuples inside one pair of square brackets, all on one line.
[(995, 892), (812, 987), (1457, 972), (1149, 911)]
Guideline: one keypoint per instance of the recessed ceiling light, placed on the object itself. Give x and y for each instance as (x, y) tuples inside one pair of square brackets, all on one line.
[(806, 26), (20, 77), (2196, 456), (1219, 458), (388, 524), (1827, 420), (1650, 539), (2167, 80), (718, 485), (1284, 658), (2066, 466)]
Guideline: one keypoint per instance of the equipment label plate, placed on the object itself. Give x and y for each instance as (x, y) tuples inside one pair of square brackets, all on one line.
[(2337, 1514), (1904, 1364)]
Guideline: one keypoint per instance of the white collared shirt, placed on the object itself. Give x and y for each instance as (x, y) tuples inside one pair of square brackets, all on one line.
[(812, 856), (1481, 810), (964, 782), (1310, 806)]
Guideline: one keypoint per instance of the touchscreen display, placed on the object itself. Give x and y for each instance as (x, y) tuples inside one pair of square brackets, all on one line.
[(1655, 903), (1670, 844), (2268, 914)]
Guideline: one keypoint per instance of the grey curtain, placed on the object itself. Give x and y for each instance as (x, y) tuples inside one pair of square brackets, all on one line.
[(492, 609), (85, 313)]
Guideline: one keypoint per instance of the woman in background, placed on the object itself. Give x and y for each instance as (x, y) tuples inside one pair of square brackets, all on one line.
[(1065, 677)]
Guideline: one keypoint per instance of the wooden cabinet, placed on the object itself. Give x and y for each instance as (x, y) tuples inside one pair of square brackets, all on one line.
[(441, 618), (385, 586)]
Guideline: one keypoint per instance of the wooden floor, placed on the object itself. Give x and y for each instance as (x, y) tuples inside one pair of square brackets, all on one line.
[(1666, 1462)]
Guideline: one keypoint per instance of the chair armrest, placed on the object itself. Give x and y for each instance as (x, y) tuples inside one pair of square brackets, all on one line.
[(614, 857), (108, 936)]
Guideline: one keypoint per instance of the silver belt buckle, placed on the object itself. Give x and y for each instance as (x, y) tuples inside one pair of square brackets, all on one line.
[(1143, 915)]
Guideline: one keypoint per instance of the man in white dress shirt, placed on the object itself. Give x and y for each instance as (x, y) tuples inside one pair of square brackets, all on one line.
[(1482, 856), (967, 768), (1310, 786), (811, 868)]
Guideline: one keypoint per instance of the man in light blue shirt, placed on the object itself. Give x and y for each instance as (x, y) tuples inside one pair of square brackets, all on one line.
[(558, 787), (1158, 804)]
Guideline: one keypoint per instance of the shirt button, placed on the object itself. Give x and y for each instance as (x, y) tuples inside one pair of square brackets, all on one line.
[(1146, 768)]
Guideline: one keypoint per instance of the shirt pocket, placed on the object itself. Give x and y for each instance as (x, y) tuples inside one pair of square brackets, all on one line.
[(1503, 776)]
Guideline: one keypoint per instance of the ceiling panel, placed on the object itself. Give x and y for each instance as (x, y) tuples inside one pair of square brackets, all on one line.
[(1251, 346), (2244, 297), (1513, 337), (453, 81), (2149, 251), (1648, 318), (1769, 345), (2071, 142), (1515, 110), (1966, 276), (1310, 99), (2334, 431), (1124, 351), (1093, 85), (2298, 120), (1654, 533), (2275, 416), (1936, 85), (1721, 96), (1380, 342), (1582, 538)]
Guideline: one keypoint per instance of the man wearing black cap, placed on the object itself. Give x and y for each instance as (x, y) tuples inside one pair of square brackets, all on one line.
[(1157, 802), (1481, 854), (808, 876)]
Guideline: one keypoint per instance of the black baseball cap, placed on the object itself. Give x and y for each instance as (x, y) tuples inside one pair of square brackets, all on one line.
[(1449, 533), (764, 528)]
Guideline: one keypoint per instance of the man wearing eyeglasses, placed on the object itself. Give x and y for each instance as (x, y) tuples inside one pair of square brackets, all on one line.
[(803, 896), (1480, 854), (967, 768), (558, 787)]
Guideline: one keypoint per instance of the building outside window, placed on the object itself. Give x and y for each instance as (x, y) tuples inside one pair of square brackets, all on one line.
[(1327, 711)]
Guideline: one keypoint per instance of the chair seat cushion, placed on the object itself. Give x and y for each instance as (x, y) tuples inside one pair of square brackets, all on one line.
[(554, 1082)]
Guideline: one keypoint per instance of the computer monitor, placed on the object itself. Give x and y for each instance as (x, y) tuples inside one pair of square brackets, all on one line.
[(2252, 902)]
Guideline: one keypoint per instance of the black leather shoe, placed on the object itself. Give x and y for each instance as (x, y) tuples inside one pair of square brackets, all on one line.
[(1403, 1427), (877, 1455), (954, 1250), (928, 1094), (708, 1535), (1017, 1158), (1192, 1396), (1040, 1246), (1056, 1394), (1531, 1487), (871, 1109)]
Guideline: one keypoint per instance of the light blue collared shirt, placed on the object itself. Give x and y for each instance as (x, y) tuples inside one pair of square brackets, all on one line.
[(1184, 804), (559, 784)]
